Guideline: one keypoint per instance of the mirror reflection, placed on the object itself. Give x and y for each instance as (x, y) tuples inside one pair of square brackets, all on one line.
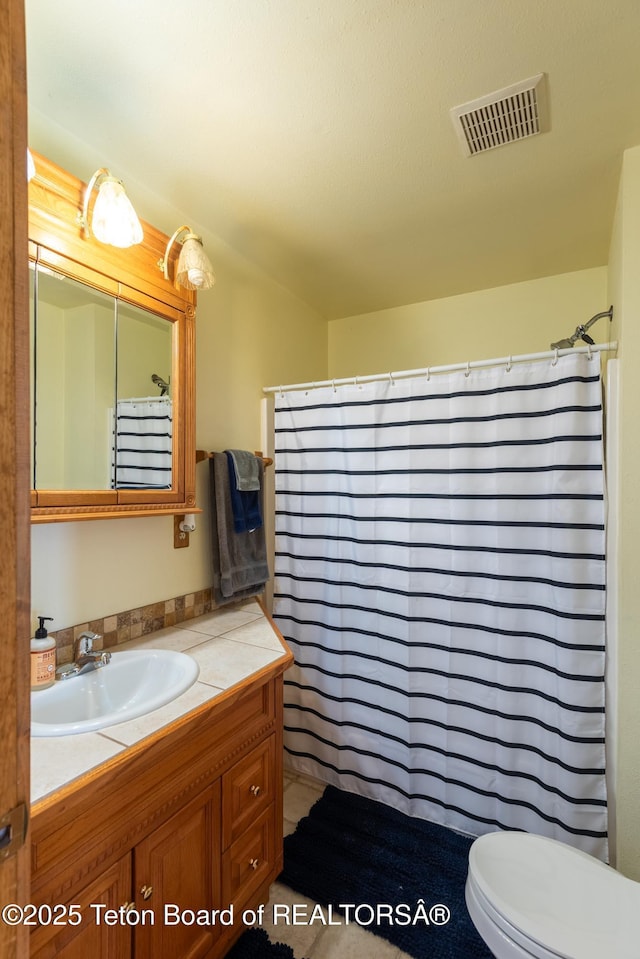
[(144, 411), (101, 398)]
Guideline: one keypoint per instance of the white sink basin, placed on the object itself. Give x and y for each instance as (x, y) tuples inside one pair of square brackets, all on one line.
[(132, 684)]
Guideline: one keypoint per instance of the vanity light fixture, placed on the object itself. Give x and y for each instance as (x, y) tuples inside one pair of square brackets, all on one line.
[(113, 220), (194, 270)]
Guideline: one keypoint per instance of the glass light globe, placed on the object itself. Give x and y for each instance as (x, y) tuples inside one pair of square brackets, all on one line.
[(194, 271), (114, 220)]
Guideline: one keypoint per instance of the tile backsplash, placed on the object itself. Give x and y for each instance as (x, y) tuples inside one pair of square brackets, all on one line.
[(133, 623)]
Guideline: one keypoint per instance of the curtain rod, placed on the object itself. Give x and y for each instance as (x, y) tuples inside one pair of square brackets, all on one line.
[(144, 399), (433, 370)]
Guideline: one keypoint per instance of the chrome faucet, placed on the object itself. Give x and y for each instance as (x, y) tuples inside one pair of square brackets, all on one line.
[(85, 657)]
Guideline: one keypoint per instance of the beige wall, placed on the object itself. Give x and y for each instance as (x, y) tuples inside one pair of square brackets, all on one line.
[(624, 286), (50, 405), (74, 392), (520, 318), (144, 348)]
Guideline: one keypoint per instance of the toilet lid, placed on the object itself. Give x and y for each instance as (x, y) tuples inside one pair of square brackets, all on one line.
[(560, 898)]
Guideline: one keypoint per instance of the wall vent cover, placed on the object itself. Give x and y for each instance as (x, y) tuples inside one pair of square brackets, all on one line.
[(513, 113)]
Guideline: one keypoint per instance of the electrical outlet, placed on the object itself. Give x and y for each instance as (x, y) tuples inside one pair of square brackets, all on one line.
[(180, 538)]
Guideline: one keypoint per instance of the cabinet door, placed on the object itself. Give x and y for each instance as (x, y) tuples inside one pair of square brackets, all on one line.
[(176, 869), (94, 937)]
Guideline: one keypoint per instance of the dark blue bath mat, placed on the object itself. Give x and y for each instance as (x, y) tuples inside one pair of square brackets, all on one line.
[(255, 944), (356, 851)]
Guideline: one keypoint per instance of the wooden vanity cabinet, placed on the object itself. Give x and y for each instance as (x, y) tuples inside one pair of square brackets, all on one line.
[(191, 817)]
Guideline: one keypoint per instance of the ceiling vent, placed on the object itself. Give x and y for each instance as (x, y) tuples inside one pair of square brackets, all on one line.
[(511, 114)]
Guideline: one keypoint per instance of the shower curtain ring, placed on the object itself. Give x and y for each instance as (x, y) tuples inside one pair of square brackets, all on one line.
[(391, 379), (333, 383), (468, 370), (428, 374), (590, 354), (509, 365), (555, 359)]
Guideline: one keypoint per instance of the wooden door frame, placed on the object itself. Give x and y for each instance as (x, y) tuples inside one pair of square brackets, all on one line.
[(15, 622)]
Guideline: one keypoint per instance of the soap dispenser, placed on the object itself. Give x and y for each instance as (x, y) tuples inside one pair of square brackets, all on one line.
[(43, 657)]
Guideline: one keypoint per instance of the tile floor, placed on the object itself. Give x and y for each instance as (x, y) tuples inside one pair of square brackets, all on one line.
[(317, 941)]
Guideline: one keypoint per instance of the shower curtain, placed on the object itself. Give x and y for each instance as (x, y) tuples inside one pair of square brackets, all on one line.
[(440, 577), (142, 438)]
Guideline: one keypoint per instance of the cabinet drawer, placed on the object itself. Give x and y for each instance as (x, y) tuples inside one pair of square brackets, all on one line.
[(249, 861), (247, 789)]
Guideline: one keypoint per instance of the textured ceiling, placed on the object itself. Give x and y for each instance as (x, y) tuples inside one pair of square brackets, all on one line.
[(314, 136)]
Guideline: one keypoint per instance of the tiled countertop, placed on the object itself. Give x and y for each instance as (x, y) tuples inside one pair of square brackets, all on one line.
[(229, 645)]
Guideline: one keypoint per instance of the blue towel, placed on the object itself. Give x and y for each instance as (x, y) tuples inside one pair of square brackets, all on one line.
[(245, 505)]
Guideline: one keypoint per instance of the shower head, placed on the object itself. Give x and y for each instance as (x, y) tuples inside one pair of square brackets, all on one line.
[(581, 332), (162, 384)]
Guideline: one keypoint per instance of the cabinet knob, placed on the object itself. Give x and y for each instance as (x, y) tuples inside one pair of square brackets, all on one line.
[(254, 863), (146, 891), (127, 906), (255, 790)]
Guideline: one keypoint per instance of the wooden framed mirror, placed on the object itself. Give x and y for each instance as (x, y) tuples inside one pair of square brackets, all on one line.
[(113, 367)]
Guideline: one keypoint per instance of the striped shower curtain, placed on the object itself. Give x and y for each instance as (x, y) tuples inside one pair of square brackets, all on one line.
[(142, 442), (440, 576)]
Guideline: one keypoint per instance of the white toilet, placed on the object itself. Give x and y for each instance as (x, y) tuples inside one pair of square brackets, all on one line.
[(530, 896)]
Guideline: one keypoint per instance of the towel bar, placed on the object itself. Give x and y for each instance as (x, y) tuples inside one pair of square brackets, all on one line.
[(204, 455)]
